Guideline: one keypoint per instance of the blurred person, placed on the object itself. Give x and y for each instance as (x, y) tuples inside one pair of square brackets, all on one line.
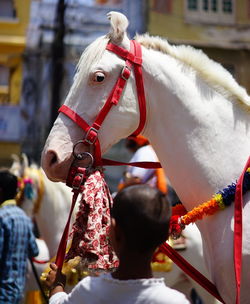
[(17, 242), (143, 151), (139, 224)]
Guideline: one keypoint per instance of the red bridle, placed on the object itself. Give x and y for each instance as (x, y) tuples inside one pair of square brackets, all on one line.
[(133, 59)]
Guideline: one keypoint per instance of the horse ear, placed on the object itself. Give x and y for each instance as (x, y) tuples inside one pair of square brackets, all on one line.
[(16, 165), (119, 24), (25, 163)]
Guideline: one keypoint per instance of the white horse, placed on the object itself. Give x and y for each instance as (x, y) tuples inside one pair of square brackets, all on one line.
[(197, 120), (49, 205)]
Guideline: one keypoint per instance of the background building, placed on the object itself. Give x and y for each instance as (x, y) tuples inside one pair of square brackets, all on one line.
[(14, 18), (31, 91), (221, 28), (58, 33)]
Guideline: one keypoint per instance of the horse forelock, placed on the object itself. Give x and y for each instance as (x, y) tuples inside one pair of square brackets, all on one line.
[(213, 73)]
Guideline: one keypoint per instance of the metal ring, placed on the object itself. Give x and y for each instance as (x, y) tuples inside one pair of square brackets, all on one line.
[(82, 155)]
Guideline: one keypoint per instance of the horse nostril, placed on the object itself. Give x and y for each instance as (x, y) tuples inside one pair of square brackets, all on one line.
[(52, 158), (53, 166)]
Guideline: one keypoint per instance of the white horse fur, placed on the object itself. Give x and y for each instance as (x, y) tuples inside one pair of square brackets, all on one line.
[(198, 122)]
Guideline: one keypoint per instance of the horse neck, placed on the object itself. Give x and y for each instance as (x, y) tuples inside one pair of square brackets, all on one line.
[(53, 213), (201, 139)]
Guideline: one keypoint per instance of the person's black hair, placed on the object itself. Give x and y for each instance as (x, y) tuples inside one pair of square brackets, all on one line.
[(131, 144), (143, 214), (8, 185)]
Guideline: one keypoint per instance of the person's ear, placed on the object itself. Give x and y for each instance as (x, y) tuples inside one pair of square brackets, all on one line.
[(113, 222), (116, 229)]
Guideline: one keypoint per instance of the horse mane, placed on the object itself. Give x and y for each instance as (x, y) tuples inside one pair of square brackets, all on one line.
[(213, 73)]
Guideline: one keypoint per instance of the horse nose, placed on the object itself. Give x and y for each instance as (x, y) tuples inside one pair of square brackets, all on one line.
[(51, 159), (52, 165)]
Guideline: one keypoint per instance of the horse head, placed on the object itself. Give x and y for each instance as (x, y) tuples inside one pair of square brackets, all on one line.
[(96, 75), (30, 184)]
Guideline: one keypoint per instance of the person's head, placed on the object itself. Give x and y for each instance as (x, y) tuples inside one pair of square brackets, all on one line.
[(8, 185), (140, 219), (133, 143)]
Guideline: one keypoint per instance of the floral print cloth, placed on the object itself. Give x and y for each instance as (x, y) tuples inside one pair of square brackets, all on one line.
[(90, 232)]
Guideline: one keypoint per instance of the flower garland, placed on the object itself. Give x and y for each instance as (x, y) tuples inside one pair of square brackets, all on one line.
[(222, 199), (25, 189)]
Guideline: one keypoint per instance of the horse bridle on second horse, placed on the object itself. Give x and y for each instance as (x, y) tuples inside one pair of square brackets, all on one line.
[(133, 59)]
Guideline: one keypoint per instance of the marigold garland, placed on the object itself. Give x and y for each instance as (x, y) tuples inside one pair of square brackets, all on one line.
[(24, 189), (222, 199)]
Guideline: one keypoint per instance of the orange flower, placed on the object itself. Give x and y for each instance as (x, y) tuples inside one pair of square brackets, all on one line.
[(207, 208)]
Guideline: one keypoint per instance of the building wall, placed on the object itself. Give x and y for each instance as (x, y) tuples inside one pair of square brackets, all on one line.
[(225, 39), (13, 26), (84, 22)]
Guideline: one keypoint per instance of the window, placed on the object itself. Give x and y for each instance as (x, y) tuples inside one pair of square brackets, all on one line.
[(163, 6), (214, 6), (227, 6), (192, 4), (7, 9), (205, 5), (4, 75), (210, 11), (4, 83)]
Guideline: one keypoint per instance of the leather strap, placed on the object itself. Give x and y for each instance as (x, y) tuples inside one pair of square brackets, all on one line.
[(144, 164), (125, 54), (190, 270), (74, 116), (140, 89), (238, 207), (63, 243)]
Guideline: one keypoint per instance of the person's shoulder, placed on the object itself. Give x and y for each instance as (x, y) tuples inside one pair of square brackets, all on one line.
[(147, 148), (167, 295), (95, 280), (8, 211), (89, 281), (157, 292), (148, 152), (21, 213), (14, 212)]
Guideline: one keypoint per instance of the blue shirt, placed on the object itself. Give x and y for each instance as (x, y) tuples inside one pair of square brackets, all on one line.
[(17, 243)]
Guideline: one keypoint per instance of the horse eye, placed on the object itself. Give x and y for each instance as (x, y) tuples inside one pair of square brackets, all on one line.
[(99, 77)]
